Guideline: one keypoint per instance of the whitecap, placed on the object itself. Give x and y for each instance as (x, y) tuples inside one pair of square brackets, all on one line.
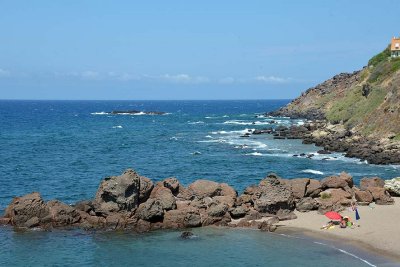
[(312, 171), (99, 113), (254, 154), (208, 136), (117, 127), (196, 122)]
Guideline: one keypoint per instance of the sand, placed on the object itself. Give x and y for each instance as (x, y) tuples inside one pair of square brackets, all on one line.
[(379, 229)]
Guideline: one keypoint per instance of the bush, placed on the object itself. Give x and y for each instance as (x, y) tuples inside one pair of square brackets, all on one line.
[(382, 56)]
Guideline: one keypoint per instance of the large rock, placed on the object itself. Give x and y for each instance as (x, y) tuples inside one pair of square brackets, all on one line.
[(393, 186), (299, 186), (218, 210), (342, 181), (333, 199), (205, 188), (363, 196), (164, 196), (146, 185), (307, 204), (380, 195), (22, 209), (173, 184), (182, 218), (239, 212), (313, 188), (151, 210), (118, 193), (62, 214), (371, 182), (272, 195), (227, 190)]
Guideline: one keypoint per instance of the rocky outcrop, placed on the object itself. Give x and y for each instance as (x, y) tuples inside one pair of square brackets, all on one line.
[(117, 193), (131, 201), (393, 186)]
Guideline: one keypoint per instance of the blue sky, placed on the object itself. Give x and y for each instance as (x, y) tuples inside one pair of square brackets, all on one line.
[(185, 49)]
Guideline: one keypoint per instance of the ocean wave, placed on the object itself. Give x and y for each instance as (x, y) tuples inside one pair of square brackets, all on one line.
[(312, 171), (117, 127), (99, 113), (208, 136), (195, 122), (258, 154), (240, 122)]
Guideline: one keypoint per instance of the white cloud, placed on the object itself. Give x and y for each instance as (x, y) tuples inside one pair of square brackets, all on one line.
[(4, 73), (89, 74), (272, 79), (184, 78)]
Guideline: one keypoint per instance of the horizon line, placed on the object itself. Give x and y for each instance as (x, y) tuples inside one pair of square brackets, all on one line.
[(249, 99)]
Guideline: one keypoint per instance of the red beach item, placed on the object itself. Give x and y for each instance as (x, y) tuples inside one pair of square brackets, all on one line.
[(333, 215)]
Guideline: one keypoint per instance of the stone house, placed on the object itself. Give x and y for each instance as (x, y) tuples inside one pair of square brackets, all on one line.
[(395, 47)]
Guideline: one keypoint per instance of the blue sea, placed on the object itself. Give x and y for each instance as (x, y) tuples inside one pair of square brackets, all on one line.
[(64, 148)]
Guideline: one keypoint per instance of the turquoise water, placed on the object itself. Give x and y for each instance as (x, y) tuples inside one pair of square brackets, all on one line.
[(211, 247), (64, 148)]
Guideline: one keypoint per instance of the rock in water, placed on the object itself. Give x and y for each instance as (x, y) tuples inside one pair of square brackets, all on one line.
[(393, 186), (23, 210), (118, 193), (187, 235)]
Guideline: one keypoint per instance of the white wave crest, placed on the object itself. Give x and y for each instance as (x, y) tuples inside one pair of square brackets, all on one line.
[(254, 154), (117, 127), (196, 122), (312, 171), (99, 113)]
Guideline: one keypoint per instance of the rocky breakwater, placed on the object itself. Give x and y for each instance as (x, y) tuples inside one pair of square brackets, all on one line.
[(134, 202)]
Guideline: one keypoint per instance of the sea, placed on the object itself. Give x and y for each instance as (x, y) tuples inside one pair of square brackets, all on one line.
[(63, 149)]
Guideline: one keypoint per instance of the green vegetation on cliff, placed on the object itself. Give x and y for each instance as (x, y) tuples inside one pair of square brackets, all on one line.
[(367, 101)]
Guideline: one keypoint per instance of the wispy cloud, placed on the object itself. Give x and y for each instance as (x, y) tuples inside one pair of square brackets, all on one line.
[(272, 79), (184, 78)]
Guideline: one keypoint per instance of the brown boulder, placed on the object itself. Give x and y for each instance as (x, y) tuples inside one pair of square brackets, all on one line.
[(342, 181), (380, 195), (205, 188), (306, 204), (363, 196), (239, 212), (151, 210), (172, 184), (145, 187), (313, 188), (218, 210), (227, 190), (116, 221), (299, 186), (165, 196), (371, 182), (272, 195), (24, 208), (118, 193), (227, 200), (62, 214), (182, 218)]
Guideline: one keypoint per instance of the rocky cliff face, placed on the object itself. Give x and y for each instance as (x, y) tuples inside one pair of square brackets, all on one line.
[(365, 101)]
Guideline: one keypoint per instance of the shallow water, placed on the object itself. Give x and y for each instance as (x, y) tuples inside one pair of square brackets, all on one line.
[(210, 247), (64, 148)]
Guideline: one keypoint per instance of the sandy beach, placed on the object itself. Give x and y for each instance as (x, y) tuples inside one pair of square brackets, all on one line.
[(378, 231)]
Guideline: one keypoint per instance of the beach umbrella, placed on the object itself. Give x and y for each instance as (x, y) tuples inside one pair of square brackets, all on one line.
[(333, 215)]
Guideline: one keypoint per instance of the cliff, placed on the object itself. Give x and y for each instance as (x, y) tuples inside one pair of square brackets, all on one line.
[(366, 102)]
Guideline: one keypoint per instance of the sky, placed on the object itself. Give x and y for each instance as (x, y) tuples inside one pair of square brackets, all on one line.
[(137, 50)]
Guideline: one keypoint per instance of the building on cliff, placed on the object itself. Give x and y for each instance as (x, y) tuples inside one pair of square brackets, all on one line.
[(395, 47)]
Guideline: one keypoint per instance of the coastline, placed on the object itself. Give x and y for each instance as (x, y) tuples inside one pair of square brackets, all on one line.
[(376, 234)]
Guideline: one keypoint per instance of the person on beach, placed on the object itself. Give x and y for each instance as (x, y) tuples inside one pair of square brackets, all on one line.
[(354, 208)]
